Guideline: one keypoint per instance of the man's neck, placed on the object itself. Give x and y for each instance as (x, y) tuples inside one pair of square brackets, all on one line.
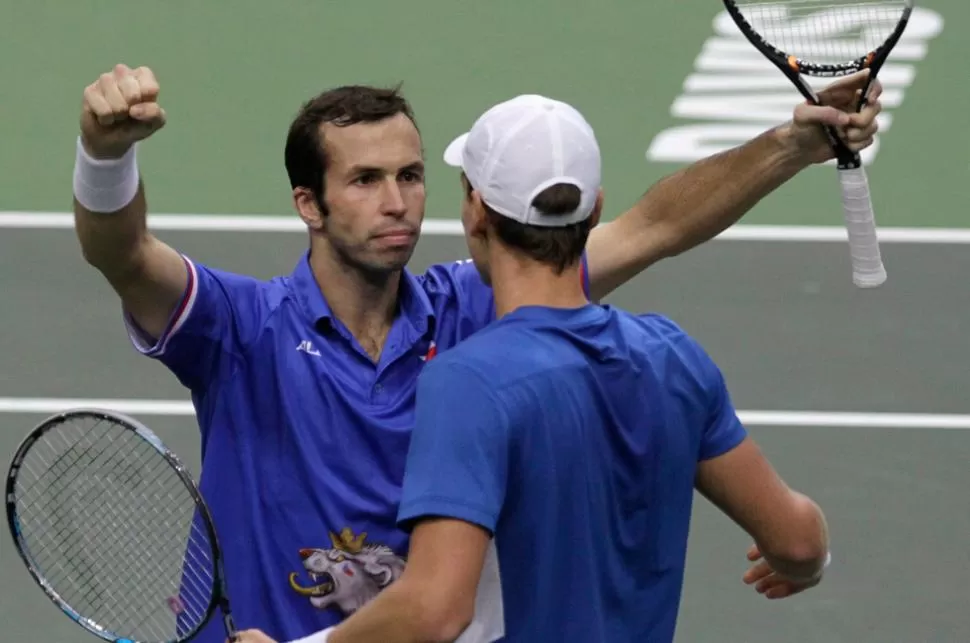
[(365, 304), (518, 282)]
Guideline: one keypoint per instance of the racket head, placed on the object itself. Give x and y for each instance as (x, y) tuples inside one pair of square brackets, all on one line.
[(112, 527), (824, 38), (832, 38)]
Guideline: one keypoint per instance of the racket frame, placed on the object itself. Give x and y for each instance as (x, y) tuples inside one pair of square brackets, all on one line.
[(220, 596), (868, 270), (796, 69)]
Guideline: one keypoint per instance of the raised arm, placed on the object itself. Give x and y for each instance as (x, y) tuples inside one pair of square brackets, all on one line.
[(702, 200), (120, 109)]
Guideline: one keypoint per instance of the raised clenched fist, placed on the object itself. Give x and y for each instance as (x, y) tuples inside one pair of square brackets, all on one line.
[(120, 109)]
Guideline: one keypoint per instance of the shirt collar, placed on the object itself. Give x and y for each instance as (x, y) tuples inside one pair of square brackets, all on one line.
[(414, 300)]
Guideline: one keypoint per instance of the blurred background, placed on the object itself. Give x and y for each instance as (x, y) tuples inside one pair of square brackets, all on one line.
[(859, 397)]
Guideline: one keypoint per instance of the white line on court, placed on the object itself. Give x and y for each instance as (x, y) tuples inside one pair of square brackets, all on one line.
[(750, 418), (201, 223), (450, 227)]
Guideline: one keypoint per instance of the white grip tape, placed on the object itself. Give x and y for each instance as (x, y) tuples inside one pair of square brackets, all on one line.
[(860, 222)]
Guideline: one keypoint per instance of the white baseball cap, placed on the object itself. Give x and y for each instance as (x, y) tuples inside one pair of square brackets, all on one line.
[(522, 146)]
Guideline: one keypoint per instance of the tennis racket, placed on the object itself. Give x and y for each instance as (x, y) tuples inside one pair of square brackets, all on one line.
[(114, 529), (829, 38)]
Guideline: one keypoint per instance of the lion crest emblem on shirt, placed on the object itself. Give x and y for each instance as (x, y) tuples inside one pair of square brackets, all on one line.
[(348, 574)]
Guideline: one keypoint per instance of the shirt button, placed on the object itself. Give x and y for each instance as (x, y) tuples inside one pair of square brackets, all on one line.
[(379, 388)]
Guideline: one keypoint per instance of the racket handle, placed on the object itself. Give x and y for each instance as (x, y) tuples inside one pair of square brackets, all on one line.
[(860, 222)]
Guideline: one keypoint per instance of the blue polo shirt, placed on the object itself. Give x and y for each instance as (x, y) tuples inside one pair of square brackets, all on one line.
[(304, 439), (573, 437)]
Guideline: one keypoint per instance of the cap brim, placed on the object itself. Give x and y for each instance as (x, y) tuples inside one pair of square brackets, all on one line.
[(455, 151)]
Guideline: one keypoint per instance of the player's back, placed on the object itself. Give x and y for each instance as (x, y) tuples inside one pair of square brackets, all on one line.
[(609, 414)]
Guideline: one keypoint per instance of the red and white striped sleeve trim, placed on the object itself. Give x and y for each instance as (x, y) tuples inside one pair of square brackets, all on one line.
[(138, 337)]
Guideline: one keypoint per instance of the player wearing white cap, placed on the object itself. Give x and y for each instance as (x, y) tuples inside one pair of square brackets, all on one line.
[(555, 453)]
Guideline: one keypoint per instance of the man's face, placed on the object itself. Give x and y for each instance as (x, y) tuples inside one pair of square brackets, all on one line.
[(374, 192)]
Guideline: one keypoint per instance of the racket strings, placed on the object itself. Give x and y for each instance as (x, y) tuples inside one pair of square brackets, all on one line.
[(109, 518), (54, 503), (113, 529), (823, 31), (63, 484), (113, 518), (87, 543)]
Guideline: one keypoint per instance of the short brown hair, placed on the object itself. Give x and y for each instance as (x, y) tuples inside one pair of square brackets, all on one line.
[(559, 247), (304, 154)]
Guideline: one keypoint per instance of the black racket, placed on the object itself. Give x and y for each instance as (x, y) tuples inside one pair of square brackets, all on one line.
[(829, 38), (113, 528)]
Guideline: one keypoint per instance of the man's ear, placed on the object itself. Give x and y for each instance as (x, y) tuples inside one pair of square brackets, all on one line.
[(306, 206), (478, 223), (594, 216)]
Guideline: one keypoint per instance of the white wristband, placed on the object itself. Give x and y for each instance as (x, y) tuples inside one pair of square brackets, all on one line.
[(105, 185), (317, 637)]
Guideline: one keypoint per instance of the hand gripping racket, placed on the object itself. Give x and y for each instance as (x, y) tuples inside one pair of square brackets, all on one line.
[(829, 38), (114, 530)]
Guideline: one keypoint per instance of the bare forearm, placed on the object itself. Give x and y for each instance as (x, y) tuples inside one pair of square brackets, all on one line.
[(804, 556), (699, 202), (788, 527), (690, 207), (111, 242), (390, 618), (397, 615)]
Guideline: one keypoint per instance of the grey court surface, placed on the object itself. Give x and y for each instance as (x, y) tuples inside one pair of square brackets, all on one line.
[(782, 319)]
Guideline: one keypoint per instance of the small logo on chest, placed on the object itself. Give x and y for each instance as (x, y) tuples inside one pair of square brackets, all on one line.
[(307, 347)]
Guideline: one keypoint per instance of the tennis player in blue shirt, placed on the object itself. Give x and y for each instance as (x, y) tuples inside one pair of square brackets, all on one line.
[(555, 453), (304, 385)]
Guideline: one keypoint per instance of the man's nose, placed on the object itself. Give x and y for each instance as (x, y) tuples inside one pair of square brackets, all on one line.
[(393, 201)]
